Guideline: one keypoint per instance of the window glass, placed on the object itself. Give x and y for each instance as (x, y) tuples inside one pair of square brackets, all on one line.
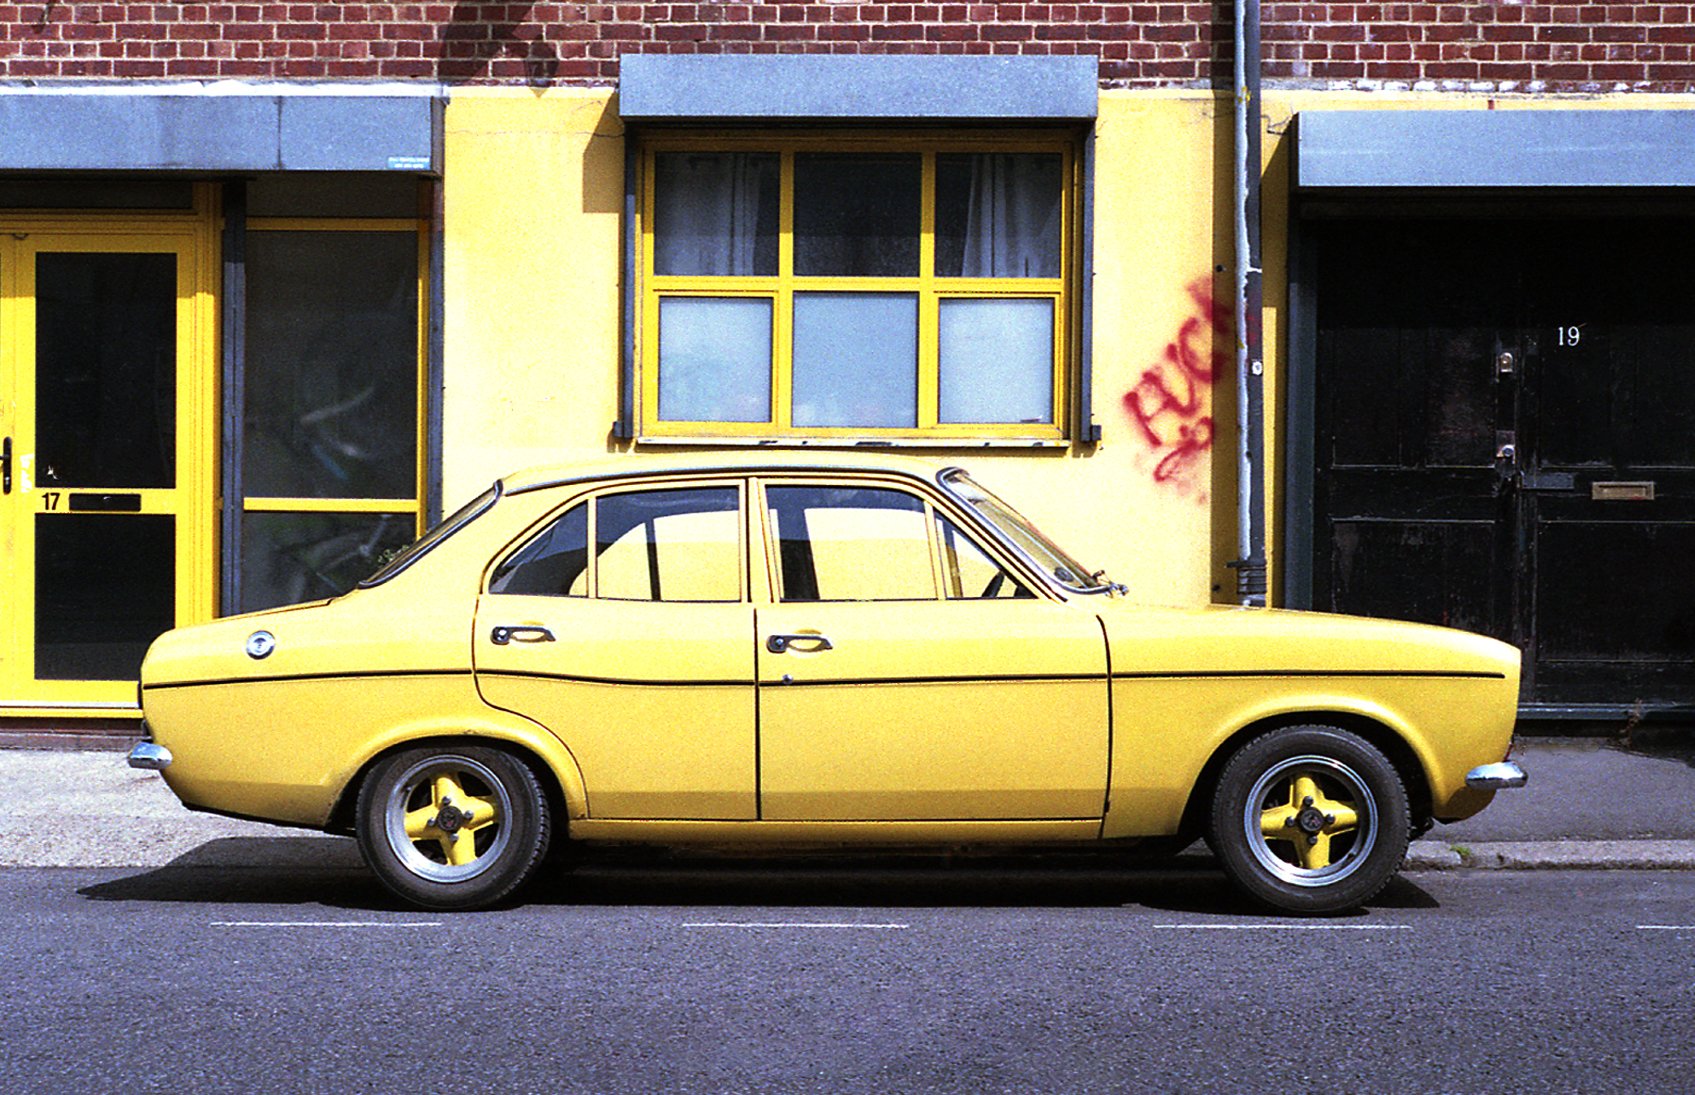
[(857, 215), (715, 213), (998, 215), (332, 194), (714, 359), (291, 557), (968, 570), (553, 564), (1047, 555), (669, 545), (996, 360), (851, 544), (105, 369), (856, 359), (332, 365), (426, 543)]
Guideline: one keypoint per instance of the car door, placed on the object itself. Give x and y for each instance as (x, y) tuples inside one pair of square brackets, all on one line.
[(906, 674), (635, 653)]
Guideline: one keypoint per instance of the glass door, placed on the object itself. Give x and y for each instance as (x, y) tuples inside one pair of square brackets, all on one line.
[(107, 485)]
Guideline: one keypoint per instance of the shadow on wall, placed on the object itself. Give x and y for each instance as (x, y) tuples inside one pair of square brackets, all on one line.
[(485, 41)]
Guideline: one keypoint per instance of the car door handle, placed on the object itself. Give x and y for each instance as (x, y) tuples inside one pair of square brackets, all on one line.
[(500, 636), (779, 644), (6, 467)]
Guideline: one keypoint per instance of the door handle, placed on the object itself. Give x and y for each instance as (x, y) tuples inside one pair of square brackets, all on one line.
[(500, 636), (6, 466), (779, 644)]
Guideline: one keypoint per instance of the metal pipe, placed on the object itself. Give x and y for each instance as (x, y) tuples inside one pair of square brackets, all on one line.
[(1250, 566)]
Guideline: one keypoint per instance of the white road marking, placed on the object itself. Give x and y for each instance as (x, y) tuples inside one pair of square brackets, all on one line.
[(1665, 927), (326, 924), (790, 924), (1287, 927)]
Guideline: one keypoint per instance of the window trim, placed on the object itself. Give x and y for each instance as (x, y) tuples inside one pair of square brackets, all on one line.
[(778, 430)]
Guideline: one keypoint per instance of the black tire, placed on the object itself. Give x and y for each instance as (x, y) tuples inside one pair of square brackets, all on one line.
[(1341, 848), (498, 830)]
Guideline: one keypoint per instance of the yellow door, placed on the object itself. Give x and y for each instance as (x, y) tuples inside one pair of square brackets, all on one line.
[(106, 484), (889, 689), (636, 654)]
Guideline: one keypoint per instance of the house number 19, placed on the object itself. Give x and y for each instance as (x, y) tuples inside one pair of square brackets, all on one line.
[(1570, 336)]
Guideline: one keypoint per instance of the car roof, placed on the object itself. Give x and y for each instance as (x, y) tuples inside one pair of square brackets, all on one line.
[(787, 461)]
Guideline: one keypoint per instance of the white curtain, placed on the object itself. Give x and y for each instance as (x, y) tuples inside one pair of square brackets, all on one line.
[(707, 212), (1012, 220)]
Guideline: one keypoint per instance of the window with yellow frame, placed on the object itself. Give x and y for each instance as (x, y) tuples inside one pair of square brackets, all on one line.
[(801, 288), (332, 434)]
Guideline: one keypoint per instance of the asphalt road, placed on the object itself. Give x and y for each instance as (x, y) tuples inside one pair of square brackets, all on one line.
[(645, 976)]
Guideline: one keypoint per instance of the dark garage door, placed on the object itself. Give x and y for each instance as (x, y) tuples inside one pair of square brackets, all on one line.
[(1506, 440)]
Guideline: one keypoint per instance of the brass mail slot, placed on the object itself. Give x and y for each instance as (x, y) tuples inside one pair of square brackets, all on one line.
[(1637, 491)]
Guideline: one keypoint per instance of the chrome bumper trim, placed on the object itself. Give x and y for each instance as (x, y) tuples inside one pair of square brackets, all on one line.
[(148, 755), (1494, 777)]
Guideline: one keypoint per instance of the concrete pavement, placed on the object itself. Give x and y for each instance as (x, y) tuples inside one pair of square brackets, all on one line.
[(1590, 803)]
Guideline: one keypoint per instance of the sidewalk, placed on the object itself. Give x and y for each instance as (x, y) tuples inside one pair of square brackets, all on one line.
[(1589, 804)]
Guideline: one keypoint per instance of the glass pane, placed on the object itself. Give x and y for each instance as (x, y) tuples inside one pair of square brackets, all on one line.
[(998, 215), (969, 571), (857, 216), (105, 587), (856, 359), (715, 213), (332, 194), (851, 544), (669, 545), (64, 193), (291, 557), (554, 564), (996, 361), (714, 359), (332, 365), (105, 370)]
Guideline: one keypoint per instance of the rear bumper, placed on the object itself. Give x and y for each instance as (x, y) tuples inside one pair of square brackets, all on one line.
[(150, 756), (1496, 777)]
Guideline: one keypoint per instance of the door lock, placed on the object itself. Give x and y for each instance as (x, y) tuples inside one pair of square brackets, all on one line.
[(1505, 363)]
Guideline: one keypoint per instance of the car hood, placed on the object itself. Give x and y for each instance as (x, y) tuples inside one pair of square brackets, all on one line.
[(1227, 639)]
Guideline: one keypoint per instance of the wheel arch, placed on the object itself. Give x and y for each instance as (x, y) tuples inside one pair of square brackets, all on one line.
[(554, 766), (1392, 742)]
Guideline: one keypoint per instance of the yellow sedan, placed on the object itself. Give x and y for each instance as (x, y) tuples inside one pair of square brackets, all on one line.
[(758, 650)]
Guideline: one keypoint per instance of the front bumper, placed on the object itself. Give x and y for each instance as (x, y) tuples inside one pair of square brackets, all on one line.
[(151, 756), (1496, 777)]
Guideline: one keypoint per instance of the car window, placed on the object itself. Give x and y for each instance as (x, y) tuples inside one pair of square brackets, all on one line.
[(851, 544), (555, 563), (969, 573), (669, 545)]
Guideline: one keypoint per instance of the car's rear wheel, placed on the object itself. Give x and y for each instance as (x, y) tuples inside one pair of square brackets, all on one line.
[(1310, 819), (452, 826)]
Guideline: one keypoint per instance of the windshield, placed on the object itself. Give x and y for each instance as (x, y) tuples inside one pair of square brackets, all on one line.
[(1047, 555), (467, 513)]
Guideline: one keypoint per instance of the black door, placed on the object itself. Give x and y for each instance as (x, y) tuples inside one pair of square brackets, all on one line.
[(1506, 441)]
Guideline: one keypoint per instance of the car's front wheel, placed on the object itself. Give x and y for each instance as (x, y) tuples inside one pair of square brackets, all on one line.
[(1310, 819), (452, 826)]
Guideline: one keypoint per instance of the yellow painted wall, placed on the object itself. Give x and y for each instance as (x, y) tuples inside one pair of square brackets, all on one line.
[(534, 189), (534, 186)]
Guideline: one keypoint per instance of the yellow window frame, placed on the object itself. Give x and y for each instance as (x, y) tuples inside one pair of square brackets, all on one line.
[(420, 227), (930, 290)]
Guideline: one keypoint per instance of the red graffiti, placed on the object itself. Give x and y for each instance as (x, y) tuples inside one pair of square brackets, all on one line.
[(1171, 404)]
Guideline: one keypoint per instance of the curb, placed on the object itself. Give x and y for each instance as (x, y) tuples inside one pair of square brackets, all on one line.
[(1571, 855)]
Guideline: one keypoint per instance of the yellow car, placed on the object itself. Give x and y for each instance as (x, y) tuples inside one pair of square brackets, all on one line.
[(757, 650)]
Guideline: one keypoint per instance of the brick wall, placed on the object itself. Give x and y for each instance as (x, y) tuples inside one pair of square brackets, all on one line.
[(1481, 44)]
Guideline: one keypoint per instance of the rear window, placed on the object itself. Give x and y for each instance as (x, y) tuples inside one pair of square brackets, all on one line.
[(422, 546)]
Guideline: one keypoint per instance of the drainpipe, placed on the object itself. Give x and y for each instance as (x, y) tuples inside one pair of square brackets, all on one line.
[(1250, 351)]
